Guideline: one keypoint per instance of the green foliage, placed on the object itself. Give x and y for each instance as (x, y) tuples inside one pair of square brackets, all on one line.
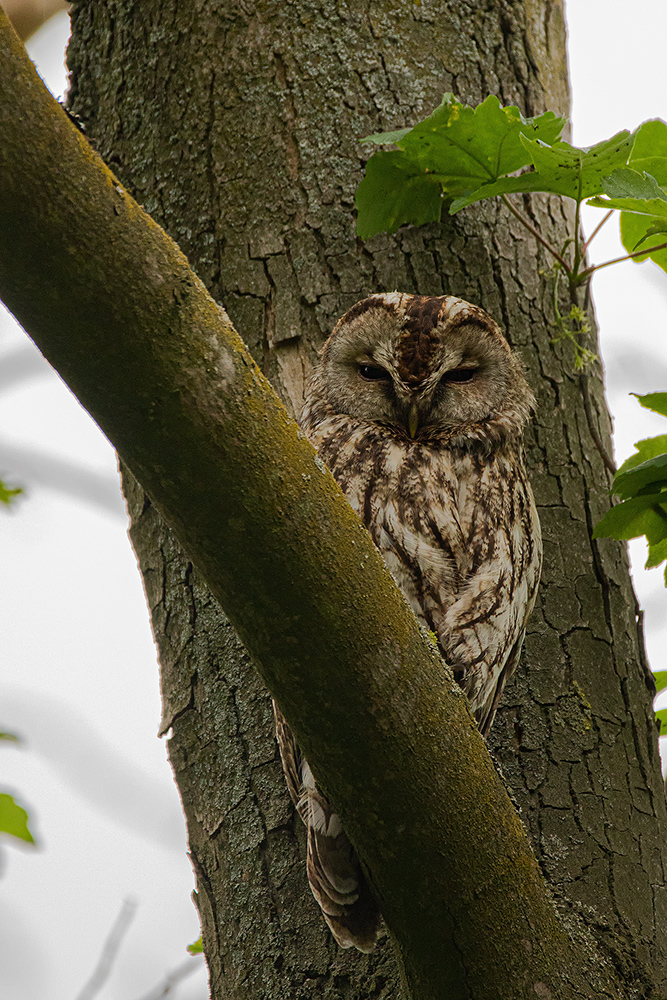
[(396, 191), (8, 495), (197, 947), (460, 155), (660, 678), (14, 819), (457, 149), (649, 155), (632, 191), (642, 203), (560, 169), (570, 328), (641, 485)]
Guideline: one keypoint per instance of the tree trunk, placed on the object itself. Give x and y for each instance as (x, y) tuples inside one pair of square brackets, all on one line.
[(237, 126)]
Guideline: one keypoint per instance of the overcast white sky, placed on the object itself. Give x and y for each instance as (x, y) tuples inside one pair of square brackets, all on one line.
[(79, 678)]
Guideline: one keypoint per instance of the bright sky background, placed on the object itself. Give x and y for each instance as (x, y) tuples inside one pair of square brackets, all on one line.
[(79, 679)]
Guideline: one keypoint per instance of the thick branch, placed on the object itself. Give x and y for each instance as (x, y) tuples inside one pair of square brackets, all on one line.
[(113, 304), (29, 15)]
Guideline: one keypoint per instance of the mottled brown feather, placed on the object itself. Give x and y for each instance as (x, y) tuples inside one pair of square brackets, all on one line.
[(450, 509)]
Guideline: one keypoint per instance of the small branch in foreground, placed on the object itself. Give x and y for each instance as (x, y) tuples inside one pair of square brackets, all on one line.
[(109, 951), (618, 260), (607, 216), (529, 226)]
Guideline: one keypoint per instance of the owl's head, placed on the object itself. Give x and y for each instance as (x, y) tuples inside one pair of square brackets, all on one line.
[(422, 364)]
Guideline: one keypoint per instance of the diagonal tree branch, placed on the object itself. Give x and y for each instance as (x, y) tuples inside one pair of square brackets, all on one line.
[(113, 304), (28, 16)]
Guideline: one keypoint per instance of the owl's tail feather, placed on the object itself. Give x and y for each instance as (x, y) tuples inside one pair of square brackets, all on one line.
[(335, 877), (355, 924)]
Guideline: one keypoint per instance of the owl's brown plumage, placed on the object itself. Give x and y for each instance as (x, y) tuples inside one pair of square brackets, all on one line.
[(418, 408)]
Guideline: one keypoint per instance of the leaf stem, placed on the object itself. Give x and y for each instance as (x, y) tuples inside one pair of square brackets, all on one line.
[(545, 243), (578, 251), (607, 216), (617, 260)]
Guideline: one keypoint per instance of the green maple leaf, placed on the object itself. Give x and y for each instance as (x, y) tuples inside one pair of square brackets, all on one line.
[(455, 150), (559, 169), (649, 156)]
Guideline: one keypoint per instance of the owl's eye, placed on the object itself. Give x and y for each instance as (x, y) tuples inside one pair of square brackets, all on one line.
[(373, 373), (459, 375)]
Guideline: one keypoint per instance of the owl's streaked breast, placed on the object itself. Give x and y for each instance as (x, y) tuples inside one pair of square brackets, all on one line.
[(458, 531)]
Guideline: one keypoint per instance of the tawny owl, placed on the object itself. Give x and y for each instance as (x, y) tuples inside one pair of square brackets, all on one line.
[(418, 408)]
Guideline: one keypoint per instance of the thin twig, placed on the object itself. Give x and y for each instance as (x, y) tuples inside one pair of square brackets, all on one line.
[(606, 218), (578, 251), (617, 260), (109, 951), (180, 973), (545, 243)]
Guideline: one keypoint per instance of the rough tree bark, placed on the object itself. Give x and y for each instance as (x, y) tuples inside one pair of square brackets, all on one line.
[(236, 125)]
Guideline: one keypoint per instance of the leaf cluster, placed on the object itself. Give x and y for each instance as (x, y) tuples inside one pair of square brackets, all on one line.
[(455, 151), (641, 485), (638, 192), (460, 155)]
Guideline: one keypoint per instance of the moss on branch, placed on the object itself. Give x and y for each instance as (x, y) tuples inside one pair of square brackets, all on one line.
[(113, 304)]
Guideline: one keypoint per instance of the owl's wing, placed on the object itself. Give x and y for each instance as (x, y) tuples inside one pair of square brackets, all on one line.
[(482, 629), (487, 713), (334, 874), (474, 586)]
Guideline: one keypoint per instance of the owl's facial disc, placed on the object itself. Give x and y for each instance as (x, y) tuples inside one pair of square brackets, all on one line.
[(423, 403), (420, 366)]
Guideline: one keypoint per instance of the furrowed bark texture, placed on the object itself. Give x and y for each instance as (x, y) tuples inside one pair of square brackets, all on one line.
[(236, 125), (113, 304)]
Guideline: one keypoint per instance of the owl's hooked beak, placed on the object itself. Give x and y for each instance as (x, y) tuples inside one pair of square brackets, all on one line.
[(413, 419)]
